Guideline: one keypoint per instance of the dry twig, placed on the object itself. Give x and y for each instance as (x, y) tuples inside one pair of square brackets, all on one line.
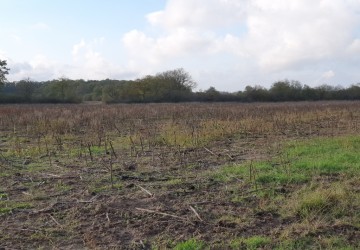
[(196, 213), (211, 152), (145, 190), (57, 223)]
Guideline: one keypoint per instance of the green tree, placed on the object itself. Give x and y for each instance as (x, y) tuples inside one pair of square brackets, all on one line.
[(180, 79), (257, 94), (325, 92), (211, 95), (286, 91), (61, 90), (110, 94), (353, 92), (25, 89), (280, 90), (3, 71)]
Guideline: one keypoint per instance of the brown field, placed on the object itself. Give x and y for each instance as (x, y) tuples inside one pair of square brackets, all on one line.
[(155, 176)]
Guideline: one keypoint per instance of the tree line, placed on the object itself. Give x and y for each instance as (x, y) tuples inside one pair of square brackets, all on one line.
[(169, 86)]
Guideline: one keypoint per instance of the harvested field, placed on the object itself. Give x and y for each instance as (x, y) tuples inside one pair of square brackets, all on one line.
[(184, 176)]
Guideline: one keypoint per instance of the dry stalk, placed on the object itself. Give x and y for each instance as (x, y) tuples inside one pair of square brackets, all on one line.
[(90, 153), (112, 149), (57, 223), (145, 190), (196, 213), (111, 175), (208, 150)]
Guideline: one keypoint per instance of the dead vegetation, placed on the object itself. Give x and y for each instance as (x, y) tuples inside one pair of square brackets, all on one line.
[(158, 175)]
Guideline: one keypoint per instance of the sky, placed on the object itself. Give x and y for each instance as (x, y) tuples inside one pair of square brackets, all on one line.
[(226, 44)]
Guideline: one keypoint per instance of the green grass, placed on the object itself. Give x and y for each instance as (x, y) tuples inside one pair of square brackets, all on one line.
[(326, 155), (331, 243), (5, 210), (254, 242), (327, 202), (7, 207), (312, 182), (100, 188), (191, 244), (299, 162), (3, 196), (228, 173)]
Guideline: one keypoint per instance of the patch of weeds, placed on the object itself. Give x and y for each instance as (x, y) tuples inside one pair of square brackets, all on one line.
[(193, 166), (228, 173), (40, 236), (7, 207), (254, 242), (41, 197), (5, 210), (103, 188), (173, 182), (3, 196), (334, 242), (62, 187), (22, 205), (97, 150), (281, 178), (237, 243), (5, 174), (308, 242), (36, 167), (121, 142), (334, 201), (191, 244), (292, 244)]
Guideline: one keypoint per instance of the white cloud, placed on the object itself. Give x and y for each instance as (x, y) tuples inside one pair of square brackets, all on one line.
[(88, 63), (77, 47), (252, 41), (277, 38), (40, 68), (199, 14), (187, 32), (328, 74), (354, 47), (3, 55), (285, 34)]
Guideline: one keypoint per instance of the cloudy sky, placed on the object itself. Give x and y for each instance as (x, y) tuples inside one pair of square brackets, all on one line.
[(227, 44)]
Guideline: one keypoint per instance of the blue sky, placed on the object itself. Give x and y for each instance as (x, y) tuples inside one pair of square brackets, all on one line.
[(227, 44), (53, 27)]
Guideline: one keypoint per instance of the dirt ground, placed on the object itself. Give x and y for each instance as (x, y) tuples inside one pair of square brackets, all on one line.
[(152, 199)]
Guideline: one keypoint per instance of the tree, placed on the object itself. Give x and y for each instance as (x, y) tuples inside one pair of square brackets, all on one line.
[(181, 79), (257, 94), (26, 89), (211, 95), (280, 90), (286, 91), (3, 71)]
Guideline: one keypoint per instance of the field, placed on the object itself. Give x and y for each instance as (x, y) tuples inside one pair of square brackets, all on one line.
[(180, 176)]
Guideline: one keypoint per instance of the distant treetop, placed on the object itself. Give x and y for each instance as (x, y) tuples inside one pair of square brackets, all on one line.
[(3, 71)]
